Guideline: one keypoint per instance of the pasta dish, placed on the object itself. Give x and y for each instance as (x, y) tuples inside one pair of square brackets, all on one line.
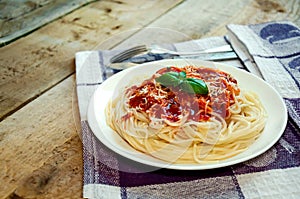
[(187, 115)]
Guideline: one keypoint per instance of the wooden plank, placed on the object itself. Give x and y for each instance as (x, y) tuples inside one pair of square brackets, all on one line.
[(59, 177), (39, 150), (30, 148), (18, 18), (260, 11), (199, 19), (35, 63)]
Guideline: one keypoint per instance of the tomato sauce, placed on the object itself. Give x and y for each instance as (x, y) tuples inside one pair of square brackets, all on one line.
[(173, 104)]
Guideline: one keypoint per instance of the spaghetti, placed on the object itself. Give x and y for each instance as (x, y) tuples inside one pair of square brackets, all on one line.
[(176, 126)]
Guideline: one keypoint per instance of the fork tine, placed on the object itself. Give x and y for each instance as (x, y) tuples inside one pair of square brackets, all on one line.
[(128, 53)]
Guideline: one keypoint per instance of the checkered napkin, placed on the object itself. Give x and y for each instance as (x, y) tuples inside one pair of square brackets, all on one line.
[(270, 50)]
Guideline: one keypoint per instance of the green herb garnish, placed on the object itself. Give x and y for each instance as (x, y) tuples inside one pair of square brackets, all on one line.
[(189, 85)]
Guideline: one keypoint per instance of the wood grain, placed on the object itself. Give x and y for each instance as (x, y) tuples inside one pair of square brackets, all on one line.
[(36, 149), (18, 18), (40, 150), (209, 18), (40, 147), (260, 11), (37, 62)]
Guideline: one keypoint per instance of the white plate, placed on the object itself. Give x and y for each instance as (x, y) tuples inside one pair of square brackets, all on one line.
[(271, 100)]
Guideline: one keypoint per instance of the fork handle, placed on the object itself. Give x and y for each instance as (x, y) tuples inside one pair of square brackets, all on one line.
[(219, 49)]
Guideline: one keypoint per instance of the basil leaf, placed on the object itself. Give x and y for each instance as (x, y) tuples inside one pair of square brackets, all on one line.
[(169, 79), (185, 86), (198, 85), (190, 85), (182, 75), (175, 74)]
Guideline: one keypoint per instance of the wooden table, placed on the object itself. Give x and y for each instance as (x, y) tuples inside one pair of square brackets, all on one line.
[(40, 146)]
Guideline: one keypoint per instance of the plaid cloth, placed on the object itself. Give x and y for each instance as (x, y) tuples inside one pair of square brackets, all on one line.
[(270, 50)]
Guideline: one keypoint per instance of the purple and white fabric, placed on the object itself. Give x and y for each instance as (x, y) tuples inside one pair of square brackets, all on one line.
[(269, 50)]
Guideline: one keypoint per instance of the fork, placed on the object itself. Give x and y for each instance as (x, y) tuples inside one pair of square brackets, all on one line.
[(154, 49)]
